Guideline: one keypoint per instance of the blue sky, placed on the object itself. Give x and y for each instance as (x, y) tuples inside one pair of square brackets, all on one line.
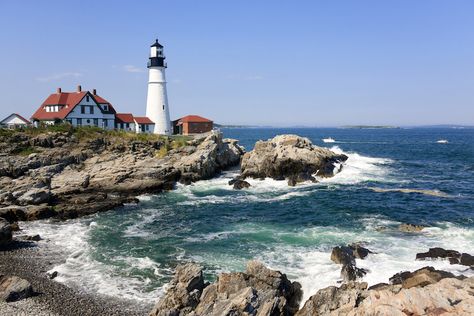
[(314, 63)]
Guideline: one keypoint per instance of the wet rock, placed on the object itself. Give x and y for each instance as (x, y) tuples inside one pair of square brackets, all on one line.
[(410, 228), (342, 255), (335, 301), (350, 272), (289, 157), (53, 275), (419, 278), (358, 251), (33, 238), (13, 213), (13, 288), (15, 227), (5, 232), (467, 260), (241, 184), (437, 252)]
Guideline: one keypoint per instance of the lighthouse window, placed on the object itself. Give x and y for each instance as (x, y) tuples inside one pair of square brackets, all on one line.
[(163, 107)]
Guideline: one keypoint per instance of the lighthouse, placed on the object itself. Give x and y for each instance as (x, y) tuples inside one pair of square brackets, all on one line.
[(157, 98)]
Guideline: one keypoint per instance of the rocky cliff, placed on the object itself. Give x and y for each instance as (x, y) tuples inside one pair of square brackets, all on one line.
[(77, 172), (290, 157)]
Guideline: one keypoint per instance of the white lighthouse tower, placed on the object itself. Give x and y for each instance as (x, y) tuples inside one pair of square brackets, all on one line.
[(157, 98)]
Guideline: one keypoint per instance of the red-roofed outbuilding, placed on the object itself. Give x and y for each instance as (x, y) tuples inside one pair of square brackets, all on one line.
[(192, 124)]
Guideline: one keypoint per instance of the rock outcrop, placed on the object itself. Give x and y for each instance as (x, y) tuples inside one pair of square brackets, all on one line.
[(68, 175), (424, 292), (257, 291), (410, 228), (290, 157), (13, 288), (5, 232), (346, 256), (454, 257)]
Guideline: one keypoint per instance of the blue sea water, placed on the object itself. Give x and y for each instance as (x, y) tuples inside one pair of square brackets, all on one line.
[(131, 252)]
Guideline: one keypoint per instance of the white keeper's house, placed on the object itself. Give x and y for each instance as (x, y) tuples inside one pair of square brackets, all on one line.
[(85, 108), (14, 120)]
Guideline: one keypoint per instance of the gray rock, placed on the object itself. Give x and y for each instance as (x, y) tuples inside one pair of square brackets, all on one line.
[(335, 301), (241, 184), (13, 288), (5, 232), (289, 157), (35, 196), (419, 278)]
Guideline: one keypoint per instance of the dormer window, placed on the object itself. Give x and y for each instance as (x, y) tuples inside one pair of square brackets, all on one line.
[(87, 98), (106, 108)]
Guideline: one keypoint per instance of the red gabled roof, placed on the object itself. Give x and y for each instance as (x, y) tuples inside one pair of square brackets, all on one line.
[(143, 120), (124, 117), (69, 100), (194, 119)]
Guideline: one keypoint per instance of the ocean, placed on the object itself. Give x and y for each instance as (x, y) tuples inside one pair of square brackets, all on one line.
[(131, 252)]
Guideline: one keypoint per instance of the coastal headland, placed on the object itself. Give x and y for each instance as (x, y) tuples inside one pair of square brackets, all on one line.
[(63, 173)]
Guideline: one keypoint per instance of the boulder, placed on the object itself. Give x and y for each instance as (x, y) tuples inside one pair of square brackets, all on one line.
[(289, 157), (335, 301), (35, 196), (5, 232), (419, 278), (13, 213), (183, 292), (434, 253), (350, 272), (454, 257), (410, 228), (241, 184), (13, 288), (342, 255), (257, 291)]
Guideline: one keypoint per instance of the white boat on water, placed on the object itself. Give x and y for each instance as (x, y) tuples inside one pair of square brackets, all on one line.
[(329, 140), (442, 141)]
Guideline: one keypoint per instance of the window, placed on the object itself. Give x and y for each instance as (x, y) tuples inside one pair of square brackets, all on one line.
[(121, 125), (91, 109), (83, 109), (127, 125), (96, 122), (79, 122), (105, 108), (163, 107), (105, 122), (88, 121), (147, 127), (87, 98)]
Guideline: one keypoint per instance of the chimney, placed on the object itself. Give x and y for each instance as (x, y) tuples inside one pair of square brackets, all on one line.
[(79, 88), (58, 91), (94, 91)]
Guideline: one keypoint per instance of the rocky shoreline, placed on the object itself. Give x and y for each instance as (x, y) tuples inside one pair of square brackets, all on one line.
[(30, 260), (68, 174)]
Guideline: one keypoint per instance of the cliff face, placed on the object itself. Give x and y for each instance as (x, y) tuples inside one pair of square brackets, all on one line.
[(69, 174)]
